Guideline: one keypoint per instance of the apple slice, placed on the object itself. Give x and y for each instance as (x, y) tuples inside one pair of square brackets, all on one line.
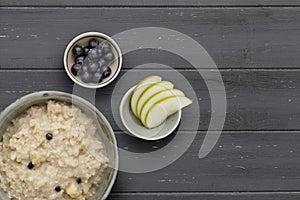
[(151, 90), (155, 98), (159, 112), (140, 87), (147, 80)]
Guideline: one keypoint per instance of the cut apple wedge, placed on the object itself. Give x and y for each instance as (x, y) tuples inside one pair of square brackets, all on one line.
[(151, 90), (141, 86), (159, 112), (155, 98), (147, 80)]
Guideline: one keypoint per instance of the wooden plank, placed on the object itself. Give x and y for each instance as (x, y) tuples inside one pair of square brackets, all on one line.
[(234, 37), (206, 196), (257, 100), (151, 3), (241, 161)]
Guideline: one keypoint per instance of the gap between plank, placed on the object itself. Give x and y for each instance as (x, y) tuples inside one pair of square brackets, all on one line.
[(233, 131), (149, 69), (142, 6), (207, 193), (236, 131)]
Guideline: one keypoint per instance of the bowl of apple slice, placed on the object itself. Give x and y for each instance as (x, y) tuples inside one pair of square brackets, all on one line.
[(151, 110)]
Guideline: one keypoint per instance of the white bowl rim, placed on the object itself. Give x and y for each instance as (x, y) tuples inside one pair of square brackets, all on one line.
[(96, 34), (41, 93), (136, 134)]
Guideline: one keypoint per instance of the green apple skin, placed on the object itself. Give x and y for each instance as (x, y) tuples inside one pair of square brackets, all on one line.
[(152, 100), (151, 90), (160, 111), (140, 88), (148, 79)]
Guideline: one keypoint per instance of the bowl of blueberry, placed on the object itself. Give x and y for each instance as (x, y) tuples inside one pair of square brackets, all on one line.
[(93, 60)]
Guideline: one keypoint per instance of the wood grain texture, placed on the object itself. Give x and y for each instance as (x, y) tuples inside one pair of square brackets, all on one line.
[(150, 3), (241, 161), (257, 100), (206, 196), (256, 44), (234, 37)]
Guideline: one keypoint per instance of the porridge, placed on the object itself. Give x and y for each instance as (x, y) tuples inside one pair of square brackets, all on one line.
[(51, 152)]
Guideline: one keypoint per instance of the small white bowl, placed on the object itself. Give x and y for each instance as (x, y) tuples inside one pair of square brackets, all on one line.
[(82, 40), (135, 127)]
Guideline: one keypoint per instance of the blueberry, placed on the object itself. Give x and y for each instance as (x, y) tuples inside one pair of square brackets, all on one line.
[(105, 47), (101, 62), (109, 56), (77, 50), (107, 72), (85, 68), (88, 61), (93, 51), (103, 68), (49, 136), (78, 180), (93, 43), (86, 51), (86, 77), (93, 54), (99, 70), (57, 188), (99, 52), (97, 78), (79, 60), (30, 165), (93, 68), (75, 68)]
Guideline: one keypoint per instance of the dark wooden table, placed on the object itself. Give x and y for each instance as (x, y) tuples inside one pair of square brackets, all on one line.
[(256, 46)]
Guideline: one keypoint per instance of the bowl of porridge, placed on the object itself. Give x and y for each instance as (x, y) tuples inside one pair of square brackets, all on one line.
[(55, 145)]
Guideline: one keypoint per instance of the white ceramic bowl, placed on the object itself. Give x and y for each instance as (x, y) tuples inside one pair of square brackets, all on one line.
[(82, 40), (135, 127), (106, 135)]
